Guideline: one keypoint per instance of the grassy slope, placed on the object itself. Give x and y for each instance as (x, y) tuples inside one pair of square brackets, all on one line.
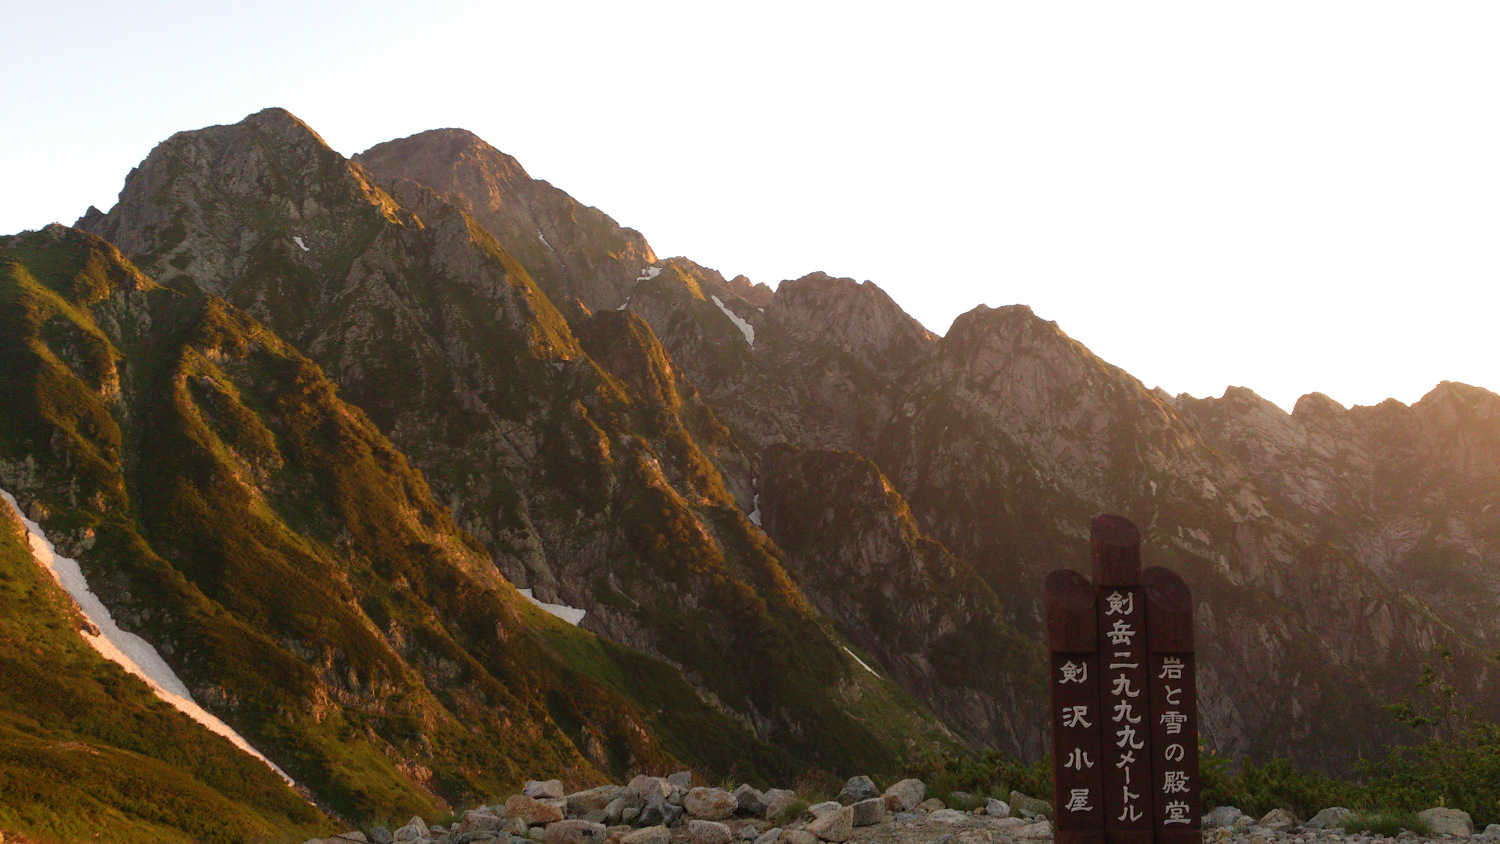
[(253, 525), (86, 748)]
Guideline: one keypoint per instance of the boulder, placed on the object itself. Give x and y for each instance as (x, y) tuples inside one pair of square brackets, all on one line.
[(778, 800), (708, 832), (949, 816), (818, 810), (1330, 818), (1222, 816), (537, 789), (1029, 807), (1448, 821), (869, 812), (905, 795), (647, 835), (532, 811), (379, 835), (615, 811), (770, 836), (598, 816), (931, 804), (681, 779), (834, 826), (1278, 819), (415, 830), (857, 789), (1491, 832), (751, 801), (593, 799), (798, 836), (629, 815), (482, 820), (996, 808), (1040, 829), (747, 833), (710, 804), (643, 788), (660, 812), (576, 832)]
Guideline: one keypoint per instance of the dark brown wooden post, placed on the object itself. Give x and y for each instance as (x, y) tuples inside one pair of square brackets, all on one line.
[(1123, 695), (1174, 708), (1077, 790)]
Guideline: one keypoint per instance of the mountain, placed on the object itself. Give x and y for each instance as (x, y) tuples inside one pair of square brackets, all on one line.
[(822, 524), (227, 505), (567, 447)]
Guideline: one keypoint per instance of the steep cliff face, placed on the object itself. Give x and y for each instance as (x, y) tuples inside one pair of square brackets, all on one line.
[(1410, 490), (855, 548), (598, 489)]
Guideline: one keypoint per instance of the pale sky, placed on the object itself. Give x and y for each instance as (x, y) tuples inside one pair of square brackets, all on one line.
[(1288, 196)]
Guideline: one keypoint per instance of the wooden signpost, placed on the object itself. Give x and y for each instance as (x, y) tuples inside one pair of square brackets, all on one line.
[(1124, 699)]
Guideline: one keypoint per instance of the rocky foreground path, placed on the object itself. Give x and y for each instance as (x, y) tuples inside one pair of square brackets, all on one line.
[(665, 810)]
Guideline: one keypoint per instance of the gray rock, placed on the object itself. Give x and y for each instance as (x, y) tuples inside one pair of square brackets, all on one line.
[(948, 816), (598, 816), (1222, 816), (798, 836), (748, 832), (532, 811), (643, 788), (615, 810), (379, 835), (1029, 807), (869, 812), (905, 795), (1448, 821), (593, 799), (857, 789), (648, 835), (1331, 818), (681, 779), (1040, 829), (778, 800), (931, 804), (996, 808), (1492, 832), (415, 830), (660, 812), (629, 815), (482, 820), (751, 801), (576, 832), (537, 789), (834, 826), (1278, 819), (770, 836), (710, 804), (818, 810), (708, 832)]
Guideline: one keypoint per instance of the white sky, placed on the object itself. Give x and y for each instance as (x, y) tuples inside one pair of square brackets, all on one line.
[(1289, 196)]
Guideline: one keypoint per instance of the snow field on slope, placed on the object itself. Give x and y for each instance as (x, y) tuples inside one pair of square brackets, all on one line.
[(127, 650)]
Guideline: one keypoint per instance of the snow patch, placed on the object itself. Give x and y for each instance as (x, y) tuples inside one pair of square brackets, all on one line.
[(745, 328), (298, 241), (545, 243), (755, 514), (571, 615), (861, 662), (648, 273), (127, 650)]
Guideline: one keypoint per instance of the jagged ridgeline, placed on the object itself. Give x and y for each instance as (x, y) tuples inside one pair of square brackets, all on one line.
[(807, 531)]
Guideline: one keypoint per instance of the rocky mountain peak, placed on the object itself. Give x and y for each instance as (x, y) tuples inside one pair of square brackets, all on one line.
[(205, 199), (572, 250), (857, 317), (1317, 406)]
